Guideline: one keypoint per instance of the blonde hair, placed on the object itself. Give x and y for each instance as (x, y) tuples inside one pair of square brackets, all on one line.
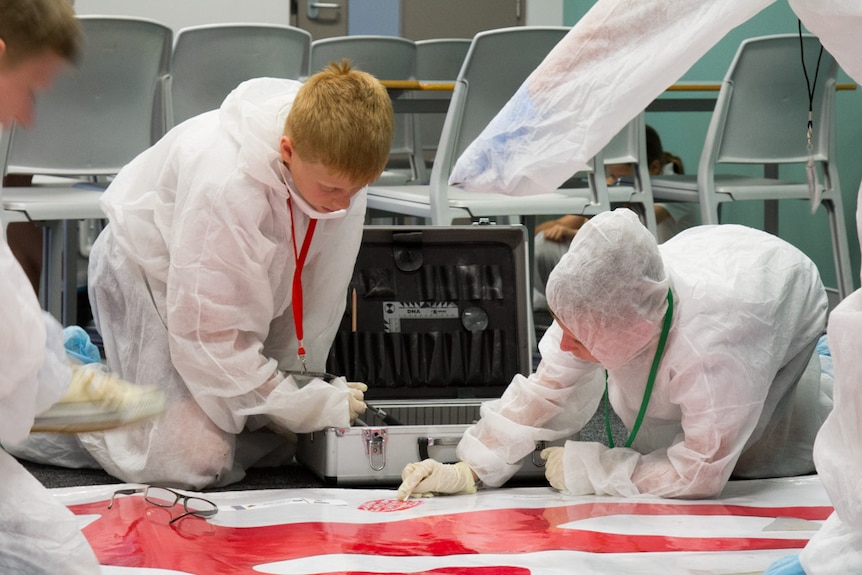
[(342, 118), (30, 28)]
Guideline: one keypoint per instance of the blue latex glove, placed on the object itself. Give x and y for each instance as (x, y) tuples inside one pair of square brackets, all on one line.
[(786, 566), (823, 346), (79, 346)]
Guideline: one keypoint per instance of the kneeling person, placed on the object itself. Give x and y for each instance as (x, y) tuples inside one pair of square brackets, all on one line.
[(712, 335), (223, 273)]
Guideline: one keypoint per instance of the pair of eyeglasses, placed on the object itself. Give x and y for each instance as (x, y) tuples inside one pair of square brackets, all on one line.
[(167, 498)]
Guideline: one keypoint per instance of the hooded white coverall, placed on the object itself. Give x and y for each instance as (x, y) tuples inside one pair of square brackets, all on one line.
[(836, 548), (38, 534), (191, 286), (738, 387)]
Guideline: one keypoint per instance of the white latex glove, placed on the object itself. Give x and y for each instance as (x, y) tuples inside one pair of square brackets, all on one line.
[(428, 477), (553, 457), (576, 484), (355, 402)]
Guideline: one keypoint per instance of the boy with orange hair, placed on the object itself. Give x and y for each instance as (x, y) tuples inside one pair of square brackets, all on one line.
[(223, 272)]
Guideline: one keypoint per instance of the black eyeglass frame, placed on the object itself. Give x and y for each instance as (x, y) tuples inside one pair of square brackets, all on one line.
[(201, 513)]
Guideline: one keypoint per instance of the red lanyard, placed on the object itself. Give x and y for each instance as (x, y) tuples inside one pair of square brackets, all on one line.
[(296, 298)]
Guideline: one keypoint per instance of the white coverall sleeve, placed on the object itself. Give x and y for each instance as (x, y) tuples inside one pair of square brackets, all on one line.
[(554, 402), (699, 461), (837, 547), (836, 23), (39, 535), (221, 308), (616, 60), (35, 372)]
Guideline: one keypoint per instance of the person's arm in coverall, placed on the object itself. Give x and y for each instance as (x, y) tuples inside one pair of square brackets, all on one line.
[(614, 62), (554, 402), (35, 375), (836, 548)]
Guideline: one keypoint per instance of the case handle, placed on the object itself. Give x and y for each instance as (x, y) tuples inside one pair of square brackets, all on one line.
[(426, 442), (375, 447)]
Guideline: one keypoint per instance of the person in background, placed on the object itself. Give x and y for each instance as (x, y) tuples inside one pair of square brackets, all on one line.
[(223, 273), (39, 535), (554, 236), (705, 346)]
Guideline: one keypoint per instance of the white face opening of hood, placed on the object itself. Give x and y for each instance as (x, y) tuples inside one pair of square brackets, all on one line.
[(302, 204)]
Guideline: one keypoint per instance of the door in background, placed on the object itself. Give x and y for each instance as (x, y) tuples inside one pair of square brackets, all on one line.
[(423, 19), (321, 19), (419, 19)]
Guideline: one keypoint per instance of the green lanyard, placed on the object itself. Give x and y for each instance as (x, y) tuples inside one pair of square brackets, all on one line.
[(665, 329)]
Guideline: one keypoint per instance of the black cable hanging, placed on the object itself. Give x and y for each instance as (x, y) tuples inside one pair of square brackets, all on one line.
[(811, 87), (813, 190)]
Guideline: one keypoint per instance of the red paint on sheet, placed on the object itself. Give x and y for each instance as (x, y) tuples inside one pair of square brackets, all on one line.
[(136, 534), (388, 505)]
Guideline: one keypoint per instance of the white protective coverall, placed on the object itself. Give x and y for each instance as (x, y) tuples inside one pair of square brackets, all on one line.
[(191, 286), (737, 389), (836, 548), (38, 534), (616, 60)]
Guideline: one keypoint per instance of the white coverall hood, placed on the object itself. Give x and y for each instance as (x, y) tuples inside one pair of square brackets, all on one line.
[(254, 114), (610, 289)]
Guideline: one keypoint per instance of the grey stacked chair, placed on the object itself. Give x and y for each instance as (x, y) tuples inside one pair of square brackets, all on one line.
[(209, 61), (495, 66), (629, 147), (760, 118), (97, 117), (386, 58), (437, 60)]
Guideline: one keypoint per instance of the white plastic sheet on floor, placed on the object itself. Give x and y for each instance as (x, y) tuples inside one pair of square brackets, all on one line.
[(510, 531)]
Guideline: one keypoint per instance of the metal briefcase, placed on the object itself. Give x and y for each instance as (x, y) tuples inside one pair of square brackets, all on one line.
[(438, 319)]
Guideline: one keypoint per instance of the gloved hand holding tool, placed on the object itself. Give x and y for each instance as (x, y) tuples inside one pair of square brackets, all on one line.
[(355, 401)]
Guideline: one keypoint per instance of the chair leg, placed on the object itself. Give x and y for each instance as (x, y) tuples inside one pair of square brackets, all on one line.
[(710, 211), (840, 248), (650, 221), (646, 213), (770, 216), (59, 271), (530, 224)]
